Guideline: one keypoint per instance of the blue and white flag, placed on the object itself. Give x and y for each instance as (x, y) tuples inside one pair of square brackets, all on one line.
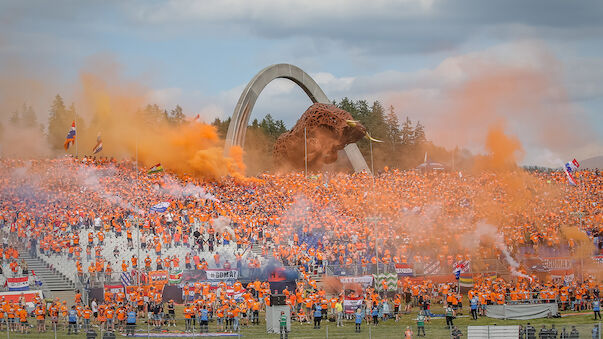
[(126, 279), (160, 207)]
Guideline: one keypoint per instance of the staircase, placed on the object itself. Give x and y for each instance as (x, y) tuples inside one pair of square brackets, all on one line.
[(51, 280), (256, 250)]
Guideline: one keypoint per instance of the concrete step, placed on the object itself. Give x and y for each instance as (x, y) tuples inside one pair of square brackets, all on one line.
[(51, 279)]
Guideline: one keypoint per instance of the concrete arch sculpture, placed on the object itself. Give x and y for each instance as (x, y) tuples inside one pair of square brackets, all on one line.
[(240, 117)]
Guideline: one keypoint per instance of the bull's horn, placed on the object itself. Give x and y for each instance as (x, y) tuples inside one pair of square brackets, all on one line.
[(352, 123), (371, 138)]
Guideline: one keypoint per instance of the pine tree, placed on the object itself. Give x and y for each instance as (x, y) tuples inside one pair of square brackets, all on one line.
[(280, 127), (58, 123), (418, 137), (376, 121), (393, 128), (28, 117), (221, 126), (153, 115), (177, 116), (15, 118), (363, 112), (348, 106), (407, 132), (255, 123)]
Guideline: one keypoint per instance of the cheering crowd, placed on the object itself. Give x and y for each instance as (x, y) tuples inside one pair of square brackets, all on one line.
[(75, 209)]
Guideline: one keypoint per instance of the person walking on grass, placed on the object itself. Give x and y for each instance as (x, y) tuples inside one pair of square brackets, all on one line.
[(358, 319), (72, 317), (339, 311), (597, 308), (375, 314), (283, 325), (131, 322), (474, 302), (449, 316), (317, 316), (420, 324)]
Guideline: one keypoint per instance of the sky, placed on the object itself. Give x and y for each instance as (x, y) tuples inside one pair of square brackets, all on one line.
[(429, 59)]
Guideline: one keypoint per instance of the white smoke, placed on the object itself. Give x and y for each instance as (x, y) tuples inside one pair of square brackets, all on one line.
[(90, 177), (173, 188), (482, 230), (21, 172)]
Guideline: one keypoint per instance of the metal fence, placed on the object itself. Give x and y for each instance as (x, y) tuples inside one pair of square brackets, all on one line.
[(151, 326)]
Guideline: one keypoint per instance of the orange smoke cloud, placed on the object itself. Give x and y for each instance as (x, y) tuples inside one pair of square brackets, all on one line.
[(115, 108), (486, 88), (504, 151)]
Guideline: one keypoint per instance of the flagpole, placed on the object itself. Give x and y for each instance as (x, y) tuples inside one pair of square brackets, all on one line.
[(137, 220), (372, 165), (76, 136)]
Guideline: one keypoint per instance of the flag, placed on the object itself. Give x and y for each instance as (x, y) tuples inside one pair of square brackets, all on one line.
[(570, 178), (70, 139), (466, 280), (462, 266), (126, 279), (432, 268), (18, 284), (175, 276), (99, 145), (155, 169), (572, 165), (490, 276), (391, 280), (37, 281), (160, 207)]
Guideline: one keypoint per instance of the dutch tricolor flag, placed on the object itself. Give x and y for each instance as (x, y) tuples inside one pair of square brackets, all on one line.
[(70, 139)]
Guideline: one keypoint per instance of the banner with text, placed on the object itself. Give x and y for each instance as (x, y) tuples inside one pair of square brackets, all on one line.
[(364, 280), (404, 270), (18, 284), (350, 305), (221, 274)]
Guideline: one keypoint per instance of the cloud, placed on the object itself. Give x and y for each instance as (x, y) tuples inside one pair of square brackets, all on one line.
[(521, 82), (383, 26)]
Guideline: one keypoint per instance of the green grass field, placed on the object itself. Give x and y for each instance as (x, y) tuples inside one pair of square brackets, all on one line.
[(386, 329)]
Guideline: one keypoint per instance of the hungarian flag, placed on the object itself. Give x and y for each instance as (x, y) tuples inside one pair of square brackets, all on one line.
[(466, 280), (175, 276), (70, 139), (155, 169), (99, 145)]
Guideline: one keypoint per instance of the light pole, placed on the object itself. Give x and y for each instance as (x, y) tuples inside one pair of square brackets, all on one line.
[(138, 261), (374, 220), (372, 165)]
